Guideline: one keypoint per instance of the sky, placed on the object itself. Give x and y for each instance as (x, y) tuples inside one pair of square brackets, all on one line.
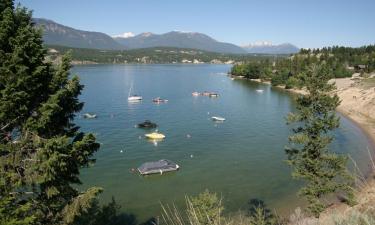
[(304, 23)]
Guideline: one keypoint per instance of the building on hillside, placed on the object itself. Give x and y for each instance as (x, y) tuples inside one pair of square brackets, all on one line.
[(360, 68)]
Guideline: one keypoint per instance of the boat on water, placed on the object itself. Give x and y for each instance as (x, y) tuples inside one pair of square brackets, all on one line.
[(206, 93), (161, 166), (218, 118), (147, 124), (155, 135), (89, 116), (133, 98), (195, 93), (213, 95), (159, 100), (259, 90)]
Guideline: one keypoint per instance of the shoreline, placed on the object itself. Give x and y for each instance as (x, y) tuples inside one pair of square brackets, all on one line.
[(361, 121), (353, 107)]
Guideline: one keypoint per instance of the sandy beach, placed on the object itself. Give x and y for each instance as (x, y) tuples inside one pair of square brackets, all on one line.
[(358, 102)]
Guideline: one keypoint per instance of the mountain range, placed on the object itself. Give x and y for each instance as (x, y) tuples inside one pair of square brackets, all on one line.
[(179, 39), (57, 34), (269, 48)]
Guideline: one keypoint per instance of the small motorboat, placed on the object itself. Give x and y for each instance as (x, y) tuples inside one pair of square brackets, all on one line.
[(161, 166), (195, 93), (259, 90), (218, 118), (213, 95), (155, 135), (147, 124), (159, 100), (89, 116)]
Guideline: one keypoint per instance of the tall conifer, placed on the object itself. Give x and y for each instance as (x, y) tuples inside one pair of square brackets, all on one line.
[(323, 171), (41, 149)]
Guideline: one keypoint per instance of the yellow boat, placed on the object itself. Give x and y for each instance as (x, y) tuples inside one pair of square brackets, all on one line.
[(155, 135)]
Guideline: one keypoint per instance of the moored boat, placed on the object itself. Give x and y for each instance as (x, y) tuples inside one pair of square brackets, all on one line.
[(159, 100), (155, 135), (161, 166), (89, 116), (195, 93), (147, 124), (213, 95), (133, 98), (206, 93), (218, 118)]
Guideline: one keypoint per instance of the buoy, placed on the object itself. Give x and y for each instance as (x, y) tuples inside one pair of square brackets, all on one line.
[(188, 136), (121, 151), (191, 156)]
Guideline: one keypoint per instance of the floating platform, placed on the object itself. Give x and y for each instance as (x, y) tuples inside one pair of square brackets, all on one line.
[(161, 166)]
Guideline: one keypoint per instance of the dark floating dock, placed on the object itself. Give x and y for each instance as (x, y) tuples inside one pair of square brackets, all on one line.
[(161, 166)]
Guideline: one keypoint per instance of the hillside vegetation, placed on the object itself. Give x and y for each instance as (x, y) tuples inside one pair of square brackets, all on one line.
[(291, 71), (151, 55)]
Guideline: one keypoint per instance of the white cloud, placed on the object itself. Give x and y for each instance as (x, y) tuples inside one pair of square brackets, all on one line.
[(124, 35)]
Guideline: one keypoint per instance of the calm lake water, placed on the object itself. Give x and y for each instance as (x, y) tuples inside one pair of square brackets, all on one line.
[(241, 159)]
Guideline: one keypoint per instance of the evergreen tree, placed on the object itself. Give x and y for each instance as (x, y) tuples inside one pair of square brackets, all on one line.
[(323, 171), (41, 149)]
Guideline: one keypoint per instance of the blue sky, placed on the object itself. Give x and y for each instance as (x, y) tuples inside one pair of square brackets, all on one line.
[(305, 23)]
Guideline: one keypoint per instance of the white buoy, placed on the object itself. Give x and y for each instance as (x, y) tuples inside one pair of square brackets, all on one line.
[(188, 136), (191, 156), (121, 151)]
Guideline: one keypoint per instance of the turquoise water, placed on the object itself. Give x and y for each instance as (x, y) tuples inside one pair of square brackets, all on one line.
[(241, 159)]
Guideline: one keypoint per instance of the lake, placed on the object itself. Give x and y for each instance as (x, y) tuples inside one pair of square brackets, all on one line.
[(240, 159)]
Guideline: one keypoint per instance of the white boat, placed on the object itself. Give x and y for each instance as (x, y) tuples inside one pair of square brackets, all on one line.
[(155, 135), (89, 116), (213, 95), (195, 93), (159, 100), (259, 91), (133, 98), (218, 118)]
